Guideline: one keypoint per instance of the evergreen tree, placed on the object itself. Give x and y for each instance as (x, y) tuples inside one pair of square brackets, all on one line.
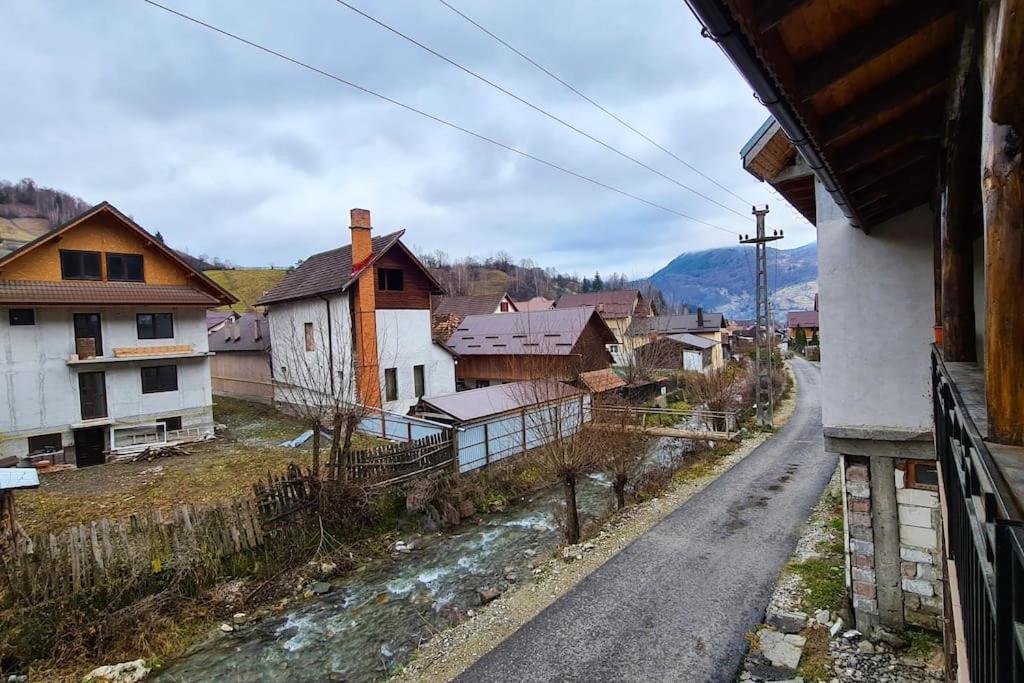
[(814, 338), (598, 284), (801, 338), (159, 238), (585, 287)]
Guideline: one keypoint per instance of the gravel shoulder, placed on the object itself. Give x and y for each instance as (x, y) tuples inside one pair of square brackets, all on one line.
[(451, 652)]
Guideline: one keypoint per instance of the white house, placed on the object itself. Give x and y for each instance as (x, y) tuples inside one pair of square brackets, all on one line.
[(103, 331), (355, 321)]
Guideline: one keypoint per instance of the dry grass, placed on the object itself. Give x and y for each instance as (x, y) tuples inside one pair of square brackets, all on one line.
[(247, 285), (217, 470)]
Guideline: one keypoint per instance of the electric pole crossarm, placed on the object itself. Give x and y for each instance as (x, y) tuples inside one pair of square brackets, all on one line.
[(763, 336)]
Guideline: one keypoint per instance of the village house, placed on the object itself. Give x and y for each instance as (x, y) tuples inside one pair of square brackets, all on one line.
[(537, 303), (682, 351), (105, 332), (803, 320), (355, 321), (557, 344), (618, 308), (905, 120), (448, 311), (241, 366), (709, 326)]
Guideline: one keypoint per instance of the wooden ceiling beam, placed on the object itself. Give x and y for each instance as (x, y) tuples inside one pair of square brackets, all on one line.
[(906, 200), (769, 13), (919, 78), (923, 122), (887, 30), (914, 154)]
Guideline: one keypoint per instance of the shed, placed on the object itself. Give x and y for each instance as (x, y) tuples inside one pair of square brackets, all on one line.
[(682, 351)]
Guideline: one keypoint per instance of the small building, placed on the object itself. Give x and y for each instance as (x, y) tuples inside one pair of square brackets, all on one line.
[(558, 344), (601, 381), (683, 351), (104, 332), (709, 326), (241, 366), (354, 323), (618, 308), (500, 421), (215, 320), (477, 304), (537, 303), (804, 320)]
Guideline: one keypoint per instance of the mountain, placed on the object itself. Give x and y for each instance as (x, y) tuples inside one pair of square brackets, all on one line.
[(722, 280)]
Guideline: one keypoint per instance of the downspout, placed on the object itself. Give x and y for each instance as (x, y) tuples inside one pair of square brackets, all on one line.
[(330, 344), (720, 27)]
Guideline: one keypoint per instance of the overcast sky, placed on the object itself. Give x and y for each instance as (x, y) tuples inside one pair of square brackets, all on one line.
[(230, 152)]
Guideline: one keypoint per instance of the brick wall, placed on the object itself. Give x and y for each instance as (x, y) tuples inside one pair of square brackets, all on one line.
[(862, 546), (920, 563)]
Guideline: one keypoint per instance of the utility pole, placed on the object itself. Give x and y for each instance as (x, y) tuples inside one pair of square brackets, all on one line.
[(763, 336)]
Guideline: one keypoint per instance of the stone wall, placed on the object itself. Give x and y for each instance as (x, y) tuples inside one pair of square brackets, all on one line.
[(919, 555)]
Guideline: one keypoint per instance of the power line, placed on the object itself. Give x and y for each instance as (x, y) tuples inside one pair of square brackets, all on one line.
[(432, 117), (594, 103), (535, 107)]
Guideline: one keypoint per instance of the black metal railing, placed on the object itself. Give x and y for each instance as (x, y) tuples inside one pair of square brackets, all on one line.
[(985, 537)]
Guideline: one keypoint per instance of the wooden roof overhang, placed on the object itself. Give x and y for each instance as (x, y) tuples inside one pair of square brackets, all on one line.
[(770, 157), (858, 86)]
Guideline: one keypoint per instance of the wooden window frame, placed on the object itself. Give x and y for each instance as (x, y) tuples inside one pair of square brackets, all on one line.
[(912, 481), (155, 376), (15, 320), (153, 333), (81, 253), (390, 280), (390, 384), (102, 393), (171, 424), (119, 255)]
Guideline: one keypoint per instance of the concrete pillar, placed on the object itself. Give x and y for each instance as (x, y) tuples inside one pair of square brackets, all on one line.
[(886, 528)]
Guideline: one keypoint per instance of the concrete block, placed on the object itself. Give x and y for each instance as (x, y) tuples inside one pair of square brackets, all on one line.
[(865, 604), (867, 575), (914, 515), (860, 505), (862, 533), (932, 605), (927, 499), (928, 572), (861, 519), (862, 561), (866, 589), (919, 587), (909, 569), (858, 489), (915, 555), (919, 538), (911, 602), (862, 547)]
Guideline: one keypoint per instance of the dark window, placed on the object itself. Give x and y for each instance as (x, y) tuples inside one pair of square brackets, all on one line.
[(155, 325), (390, 280), (922, 475), (503, 307), (172, 424), (87, 326), (125, 267), (418, 380), (45, 443), (391, 384), (159, 378), (22, 316), (92, 394), (80, 265), (307, 329)]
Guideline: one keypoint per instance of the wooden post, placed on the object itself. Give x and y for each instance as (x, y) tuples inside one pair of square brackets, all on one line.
[(1002, 184), (487, 447)]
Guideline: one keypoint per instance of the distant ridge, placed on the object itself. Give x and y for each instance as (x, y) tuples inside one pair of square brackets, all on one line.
[(722, 279)]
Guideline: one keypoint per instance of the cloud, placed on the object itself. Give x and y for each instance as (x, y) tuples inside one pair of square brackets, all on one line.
[(231, 152)]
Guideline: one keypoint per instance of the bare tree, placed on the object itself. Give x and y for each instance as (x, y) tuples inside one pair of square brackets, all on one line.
[(719, 390), (620, 447)]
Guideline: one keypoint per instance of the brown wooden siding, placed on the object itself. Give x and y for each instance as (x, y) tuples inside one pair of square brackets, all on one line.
[(510, 368), (415, 295), (242, 374)]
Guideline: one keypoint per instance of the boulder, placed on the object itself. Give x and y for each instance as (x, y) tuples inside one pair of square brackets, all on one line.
[(783, 650), (822, 617), (240, 618), (466, 508), (488, 594), (319, 588), (125, 672)]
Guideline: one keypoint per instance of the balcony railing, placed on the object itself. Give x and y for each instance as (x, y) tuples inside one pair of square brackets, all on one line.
[(984, 528)]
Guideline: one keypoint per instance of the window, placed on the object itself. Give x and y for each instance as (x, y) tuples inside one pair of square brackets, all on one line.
[(92, 394), (390, 279), (922, 475), (418, 380), (125, 267), (503, 307), (172, 424), (22, 316), (159, 378), (87, 326), (154, 325), (310, 341), (391, 384), (80, 265), (45, 443)]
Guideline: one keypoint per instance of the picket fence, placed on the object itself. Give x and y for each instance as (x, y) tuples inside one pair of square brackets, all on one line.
[(392, 464)]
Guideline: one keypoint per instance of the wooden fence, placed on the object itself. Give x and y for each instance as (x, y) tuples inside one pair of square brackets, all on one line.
[(392, 464), (133, 550)]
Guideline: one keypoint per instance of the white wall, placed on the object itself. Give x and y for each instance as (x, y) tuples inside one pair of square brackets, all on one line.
[(39, 390), (877, 318), (404, 341)]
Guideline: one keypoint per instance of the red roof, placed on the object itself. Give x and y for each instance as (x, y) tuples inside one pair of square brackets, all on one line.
[(802, 319), (550, 333), (76, 292), (618, 303)]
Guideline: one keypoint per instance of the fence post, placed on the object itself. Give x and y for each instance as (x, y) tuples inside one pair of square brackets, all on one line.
[(487, 447), (523, 415), (453, 436), (408, 426)]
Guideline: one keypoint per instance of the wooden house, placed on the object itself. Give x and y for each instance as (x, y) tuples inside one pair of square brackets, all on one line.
[(618, 308), (902, 121), (241, 366)]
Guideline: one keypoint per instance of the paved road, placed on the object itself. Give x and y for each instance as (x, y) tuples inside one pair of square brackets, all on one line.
[(675, 604)]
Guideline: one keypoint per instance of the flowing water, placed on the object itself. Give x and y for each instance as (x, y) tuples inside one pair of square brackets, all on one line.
[(374, 619)]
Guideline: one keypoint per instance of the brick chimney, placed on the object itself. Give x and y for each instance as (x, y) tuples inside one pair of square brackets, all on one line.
[(364, 293)]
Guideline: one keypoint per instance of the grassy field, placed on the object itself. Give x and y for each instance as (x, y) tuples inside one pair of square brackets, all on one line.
[(247, 285), (217, 470)]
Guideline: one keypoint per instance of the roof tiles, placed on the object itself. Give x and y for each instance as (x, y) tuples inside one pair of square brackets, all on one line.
[(96, 292)]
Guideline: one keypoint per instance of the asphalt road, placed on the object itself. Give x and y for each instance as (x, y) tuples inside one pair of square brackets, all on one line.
[(675, 604)]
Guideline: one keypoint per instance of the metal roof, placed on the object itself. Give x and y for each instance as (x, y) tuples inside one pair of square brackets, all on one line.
[(676, 324), (802, 318), (616, 303), (475, 404), (479, 304), (73, 292), (243, 335), (551, 333), (693, 340)]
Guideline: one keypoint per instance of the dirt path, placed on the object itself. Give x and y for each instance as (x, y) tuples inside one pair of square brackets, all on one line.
[(451, 652)]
